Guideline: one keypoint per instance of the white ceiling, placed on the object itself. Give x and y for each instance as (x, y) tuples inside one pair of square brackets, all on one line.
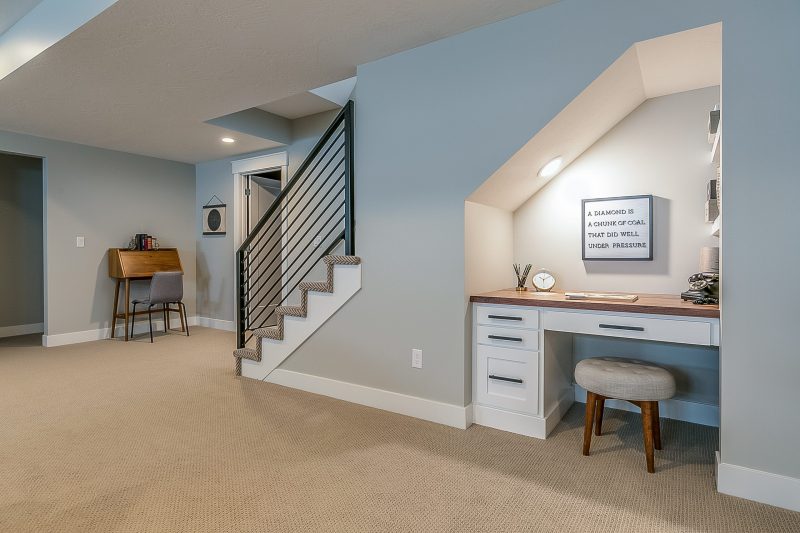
[(674, 63), (299, 105), (13, 10), (145, 75)]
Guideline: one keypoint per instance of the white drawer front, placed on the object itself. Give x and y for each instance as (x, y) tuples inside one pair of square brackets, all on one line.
[(520, 339), (655, 329), (508, 379), (512, 317)]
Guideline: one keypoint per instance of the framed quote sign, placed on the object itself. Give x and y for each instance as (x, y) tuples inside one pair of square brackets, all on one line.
[(618, 229)]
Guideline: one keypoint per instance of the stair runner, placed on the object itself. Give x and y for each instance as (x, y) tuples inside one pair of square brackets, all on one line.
[(276, 332)]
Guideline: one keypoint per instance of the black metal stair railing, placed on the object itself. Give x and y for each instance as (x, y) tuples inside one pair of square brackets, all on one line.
[(311, 217)]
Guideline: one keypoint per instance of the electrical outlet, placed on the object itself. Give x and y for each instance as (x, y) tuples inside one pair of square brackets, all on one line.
[(317, 240), (80, 241), (416, 358)]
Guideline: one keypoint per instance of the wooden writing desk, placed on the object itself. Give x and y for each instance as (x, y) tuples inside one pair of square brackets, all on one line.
[(127, 265)]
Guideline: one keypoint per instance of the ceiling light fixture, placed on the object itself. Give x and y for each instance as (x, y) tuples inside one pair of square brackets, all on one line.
[(228, 140), (551, 168)]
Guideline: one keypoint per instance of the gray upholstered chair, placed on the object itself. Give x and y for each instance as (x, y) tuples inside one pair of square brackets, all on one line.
[(166, 288), (642, 384)]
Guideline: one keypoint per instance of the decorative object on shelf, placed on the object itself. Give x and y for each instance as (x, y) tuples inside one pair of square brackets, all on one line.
[(543, 280), (703, 289), (713, 124), (214, 217), (618, 228), (709, 259), (601, 296), (712, 206), (522, 276)]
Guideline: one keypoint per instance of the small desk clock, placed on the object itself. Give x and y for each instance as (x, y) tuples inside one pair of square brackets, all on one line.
[(543, 280)]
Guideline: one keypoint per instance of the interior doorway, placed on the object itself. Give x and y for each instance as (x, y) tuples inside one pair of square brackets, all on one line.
[(260, 190), (22, 314)]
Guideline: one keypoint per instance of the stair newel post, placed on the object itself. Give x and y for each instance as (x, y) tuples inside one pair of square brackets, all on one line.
[(240, 300), (349, 230)]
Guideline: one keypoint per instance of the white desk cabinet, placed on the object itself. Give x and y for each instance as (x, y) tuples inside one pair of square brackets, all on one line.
[(523, 378)]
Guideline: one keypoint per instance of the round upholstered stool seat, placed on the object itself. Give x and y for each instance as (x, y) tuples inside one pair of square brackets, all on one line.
[(625, 379)]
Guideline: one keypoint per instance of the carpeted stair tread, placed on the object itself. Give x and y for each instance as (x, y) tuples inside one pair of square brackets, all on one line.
[(300, 311), (291, 310), (342, 260), (316, 286), (247, 353), (271, 332)]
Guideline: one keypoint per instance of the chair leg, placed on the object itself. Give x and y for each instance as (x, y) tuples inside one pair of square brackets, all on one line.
[(656, 427), (150, 319), (598, 415), (185, 319), (591, 399), (133, 319), (166, 318), (647, 429)]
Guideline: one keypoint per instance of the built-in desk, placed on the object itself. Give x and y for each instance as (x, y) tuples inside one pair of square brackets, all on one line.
[(523, 378)]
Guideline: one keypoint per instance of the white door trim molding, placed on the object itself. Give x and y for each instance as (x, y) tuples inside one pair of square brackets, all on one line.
[(442, 413), (757, 485), (261, 162)]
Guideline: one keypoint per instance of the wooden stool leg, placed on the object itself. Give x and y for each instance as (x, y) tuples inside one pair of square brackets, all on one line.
[(656, 427), (647, 429), (598, 415), (591, 399)]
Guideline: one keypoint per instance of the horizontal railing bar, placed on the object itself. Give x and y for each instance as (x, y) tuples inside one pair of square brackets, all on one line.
[(280, 290), (287, 201), (303, 167), (289, 268), (304, 206), (284, 243)]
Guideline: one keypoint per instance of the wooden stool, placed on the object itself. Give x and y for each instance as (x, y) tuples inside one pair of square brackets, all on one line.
[(637, 382)]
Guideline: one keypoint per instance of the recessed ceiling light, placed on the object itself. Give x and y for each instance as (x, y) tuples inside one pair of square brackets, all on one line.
[(551, 168), (228, 140)]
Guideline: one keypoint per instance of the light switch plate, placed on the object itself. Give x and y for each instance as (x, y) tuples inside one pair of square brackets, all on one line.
[(416, 358), (80, 241)]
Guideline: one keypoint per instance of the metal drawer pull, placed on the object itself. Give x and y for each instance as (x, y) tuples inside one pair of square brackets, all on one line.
[(502, 338), (503, 317), (626, 328), (503, 378)]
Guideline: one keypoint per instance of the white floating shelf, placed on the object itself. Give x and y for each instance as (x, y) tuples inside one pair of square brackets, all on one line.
[(715, 228), (716, 148)]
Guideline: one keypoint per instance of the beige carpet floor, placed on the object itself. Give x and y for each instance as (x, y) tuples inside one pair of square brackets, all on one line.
[(111, 436)]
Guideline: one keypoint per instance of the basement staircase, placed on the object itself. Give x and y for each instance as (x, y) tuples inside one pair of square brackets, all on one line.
[(307, 232)]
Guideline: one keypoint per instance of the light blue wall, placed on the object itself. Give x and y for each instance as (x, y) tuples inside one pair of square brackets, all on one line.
[(760, 352), (106, 196), (215, 267), (434, 122)]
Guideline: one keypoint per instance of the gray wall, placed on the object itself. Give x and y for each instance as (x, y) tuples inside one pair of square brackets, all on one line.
[(22, 267), (106, 196), (215, 266), (434, 122), (659, 149)]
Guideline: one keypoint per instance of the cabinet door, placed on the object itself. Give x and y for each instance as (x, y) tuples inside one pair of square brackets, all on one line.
[(508, 379)]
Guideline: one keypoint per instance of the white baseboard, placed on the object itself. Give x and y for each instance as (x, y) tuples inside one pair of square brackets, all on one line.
[(22, 329), (757, 485), (216, 323), (433, 411), (697, 413), (140, 327), (523, 423)]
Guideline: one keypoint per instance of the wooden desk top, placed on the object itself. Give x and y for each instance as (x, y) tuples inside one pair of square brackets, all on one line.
[(131, 264), (653, 304)]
